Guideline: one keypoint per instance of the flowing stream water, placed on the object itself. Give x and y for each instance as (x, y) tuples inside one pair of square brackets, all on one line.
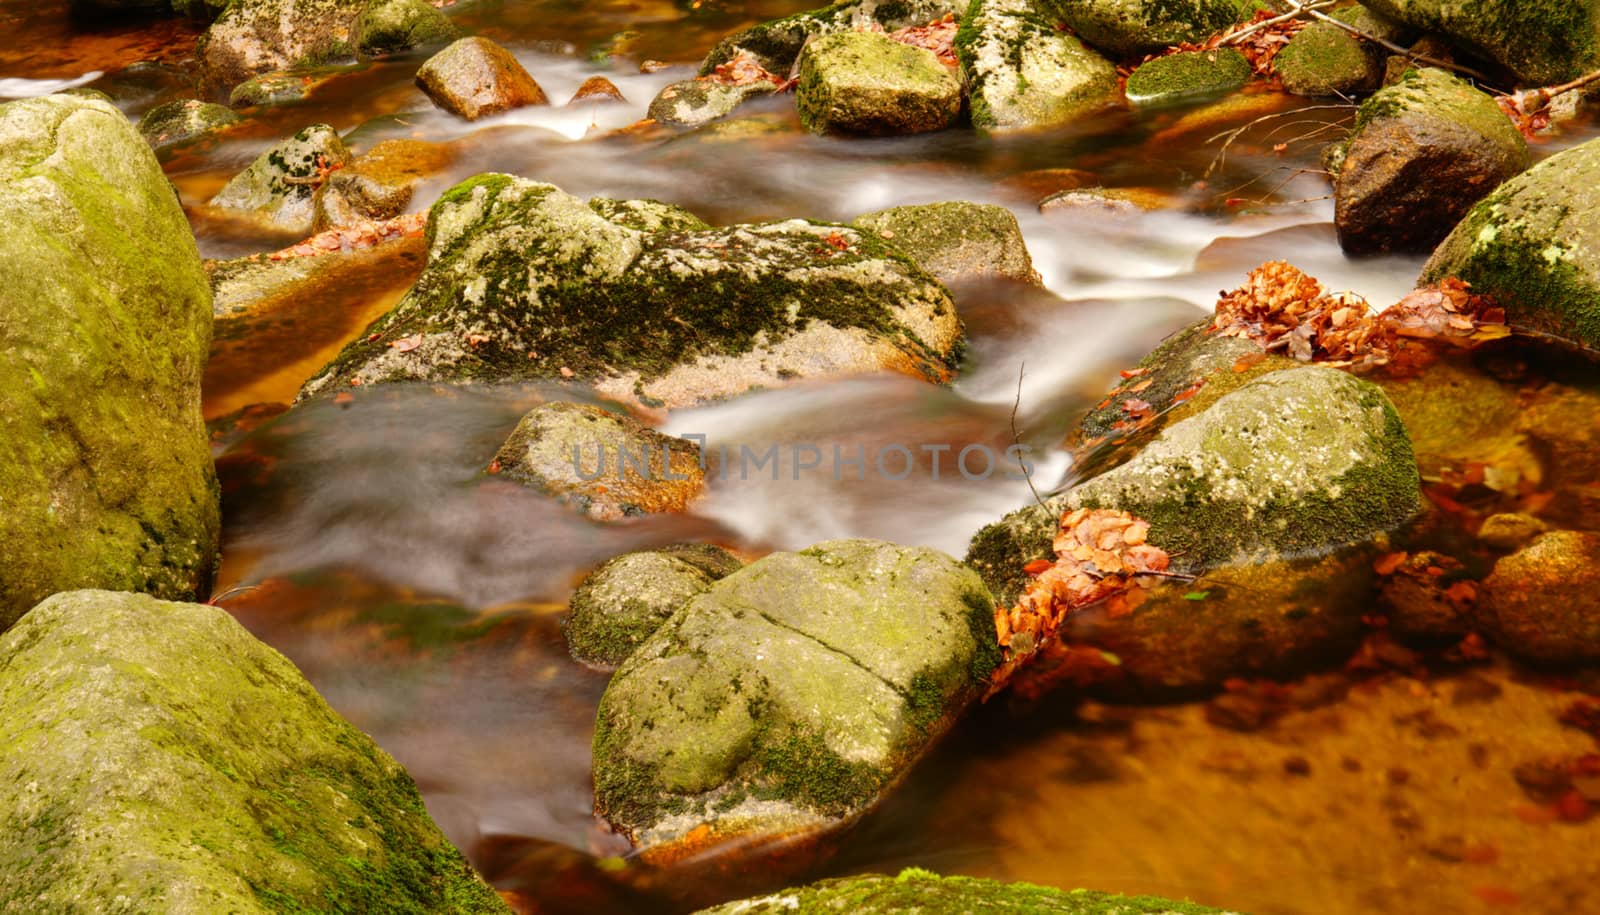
[(423, 600)]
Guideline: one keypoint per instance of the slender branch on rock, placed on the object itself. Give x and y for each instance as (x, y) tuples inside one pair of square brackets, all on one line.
[(1315, 13), (1534, 100)]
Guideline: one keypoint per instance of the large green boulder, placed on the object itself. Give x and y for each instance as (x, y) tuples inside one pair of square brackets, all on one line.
[(1126, 28), (260, 36), (388, 27), (1188, 76), (1534, 246), (160, 759), (1021, 71), (1324, 59), (787, 698), (1422, 152), (863, 83), (920, 891), (278, 190), (1270, 503), (525, 282), (106, 479), (776, 44), (1541, 41), (957, 241)]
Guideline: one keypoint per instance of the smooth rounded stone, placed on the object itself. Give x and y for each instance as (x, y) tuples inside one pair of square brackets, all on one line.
[(609, 464), (1422, 152), (1022, 72), (1128, 28), (280, 88), (1543, 42), (180, 122), (776, 43), (389, 27), (1188, 76), (597, 90), (864, 83), (1542, 603), (105, 476), (784, 701), (957, 241), (1510, 531), (157, 752), (917, 890), (694, 102), (262, 36), (626, 600), (1323, 59), (380, 183), (474, 78), (1534, 246), (1274, 498), (527, 283), (278, 190)]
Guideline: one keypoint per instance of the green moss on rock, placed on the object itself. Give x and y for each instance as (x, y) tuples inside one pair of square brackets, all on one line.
[(957, 241), (626, 600), (1188, 76), (106, 479), (864, 83), (777, 42), (1542, 41), (647, 215), (260, 36), (278, 190), (388, 27), (1022, 72), (1323, 59), (694, 102), (159, 758), (184, 121), (1126, 28)]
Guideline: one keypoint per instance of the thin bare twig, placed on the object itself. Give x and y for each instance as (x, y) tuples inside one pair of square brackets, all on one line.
[(1276, 20), (1016, 437), (1309, 10)]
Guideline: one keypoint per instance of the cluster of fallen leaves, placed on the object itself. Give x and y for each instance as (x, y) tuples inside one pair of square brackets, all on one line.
[(938, 36), (1281, 308), (743, 69), (1529, 110), (1259, 47), (1101, 556), (354, 238)]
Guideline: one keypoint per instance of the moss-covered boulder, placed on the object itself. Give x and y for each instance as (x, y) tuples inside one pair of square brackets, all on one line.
[(389, 27), (474, 78), (1542, 41), (525, 282), (626, 600), (917, 890), (1022, 72), (183, 121), (160, 759), (1422, 152), (260, 36), (863, 83), (1542, 602), (1188, 76), (776, 44), (379, 183), (1126, 28), (276, 88), (1273, 499), (1324, 59), (787, 698), (279, 188), (1534, 245), (957, 241), (105, 319), (693, 102), (608, 464)]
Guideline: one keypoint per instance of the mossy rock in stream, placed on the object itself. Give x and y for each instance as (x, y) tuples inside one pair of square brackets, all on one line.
[(776, 44), (260, 36), (1273, 498), (867, 84), (1188, 76), (694, 102), (783, 701), (1543, 42), (1533, 244), (184, 121), (957, 241), (525, 282), (919, 891), (1323, 59), (389, 27), (160, 759), (475, 78), (279, 188), (105, 321), (626, 600), (1127, 28), (1022, 72)]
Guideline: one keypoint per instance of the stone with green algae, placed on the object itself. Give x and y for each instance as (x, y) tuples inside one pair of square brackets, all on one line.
[(262, 36), (694, 102), (776, 43), (389, 27), (526, 283), (1324, 59), (106, 479), (1022, 72), (1188, 76), (866, 84), (159, 758), (1541, 41), (1127, 28), (788, 697), (184, 121), (626, 600), (956, 240), (278, 190)]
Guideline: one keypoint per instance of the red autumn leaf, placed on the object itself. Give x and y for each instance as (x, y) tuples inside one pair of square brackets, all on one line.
[(1386, 564)]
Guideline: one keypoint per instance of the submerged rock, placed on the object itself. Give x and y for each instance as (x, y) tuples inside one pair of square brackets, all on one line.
[(1273, 498), (957, 241), (279, 188), (1542, 41), (1542, 603), (260, 36), (379, 184), (693, 102), (525, 282), (185, 121), (916, 890), (105, 476), (475, 78), (628, 598), (1422, 152), (1126, 28), (1510, 531), (787, 698), (389, 27), (1534, 246), (776, 44), (1188, 76), (157, 752), (276, 88), (1022, 72), (609, 464), (867, 84)]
